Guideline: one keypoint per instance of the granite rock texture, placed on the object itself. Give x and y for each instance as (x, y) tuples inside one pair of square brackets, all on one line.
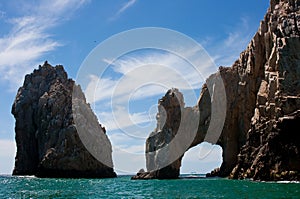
[(48, 144)]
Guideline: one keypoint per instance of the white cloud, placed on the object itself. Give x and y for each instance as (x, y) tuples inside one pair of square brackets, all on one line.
[(226, 51), (58, 8), (125, 7), (120, 118), (23, 47), (144, 76), (99, 89), (204, 152), (202, 158), (134, 149), (119, 138), (130, 160), (7, 156), (149, 75)]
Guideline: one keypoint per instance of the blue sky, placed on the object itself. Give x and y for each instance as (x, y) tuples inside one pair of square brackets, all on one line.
[(66, 31)]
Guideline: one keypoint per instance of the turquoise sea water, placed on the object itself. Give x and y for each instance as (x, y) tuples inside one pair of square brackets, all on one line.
[(123, 187)]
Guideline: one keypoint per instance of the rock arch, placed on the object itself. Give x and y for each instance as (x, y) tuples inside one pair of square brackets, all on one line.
[(240, 102), (263, 105), (178, 120)]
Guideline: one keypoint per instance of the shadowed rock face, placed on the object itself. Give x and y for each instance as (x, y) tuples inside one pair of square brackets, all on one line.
[(48, 144), (262, 87)]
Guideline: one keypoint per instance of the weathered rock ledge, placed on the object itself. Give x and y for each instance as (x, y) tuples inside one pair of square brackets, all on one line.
[(48, 144)]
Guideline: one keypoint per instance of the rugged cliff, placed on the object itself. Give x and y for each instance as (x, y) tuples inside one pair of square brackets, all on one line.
[(48, 144), (272, 150), (263, 103)]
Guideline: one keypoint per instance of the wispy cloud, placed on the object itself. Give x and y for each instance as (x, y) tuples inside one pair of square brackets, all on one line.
[(149, 75), (125, 7), (226, 51), (28, 40), (120, 118), (142, 76)]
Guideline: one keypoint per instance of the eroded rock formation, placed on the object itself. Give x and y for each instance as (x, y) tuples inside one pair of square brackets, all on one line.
[(272, 150), (167, 143), (48, 144), (259, 139)]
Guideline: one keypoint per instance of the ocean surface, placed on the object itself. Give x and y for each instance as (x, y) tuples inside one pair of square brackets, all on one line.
[(123, 187)]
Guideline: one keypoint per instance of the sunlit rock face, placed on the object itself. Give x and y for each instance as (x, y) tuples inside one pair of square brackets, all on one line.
[(272, 150), (48, 144), (260, 137)]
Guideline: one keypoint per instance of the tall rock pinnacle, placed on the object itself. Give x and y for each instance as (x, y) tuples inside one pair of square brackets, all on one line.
[(48, 144)]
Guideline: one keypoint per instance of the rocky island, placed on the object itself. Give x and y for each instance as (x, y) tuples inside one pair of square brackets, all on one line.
[(48, 144), (260, 138)]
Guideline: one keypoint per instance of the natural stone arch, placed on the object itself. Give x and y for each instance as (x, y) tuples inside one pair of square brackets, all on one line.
[(241, 83), (175, 120), (262, 93), (240, 101), (186, 118)]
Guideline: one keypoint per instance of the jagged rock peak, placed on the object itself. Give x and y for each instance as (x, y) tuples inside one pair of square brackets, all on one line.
[(48, 144)]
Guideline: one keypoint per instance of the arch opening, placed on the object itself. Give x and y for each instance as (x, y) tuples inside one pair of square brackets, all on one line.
[(201, 159)]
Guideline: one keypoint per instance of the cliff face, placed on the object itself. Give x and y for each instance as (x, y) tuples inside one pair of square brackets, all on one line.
[(48, 144), (263, 104), (273, 140)]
